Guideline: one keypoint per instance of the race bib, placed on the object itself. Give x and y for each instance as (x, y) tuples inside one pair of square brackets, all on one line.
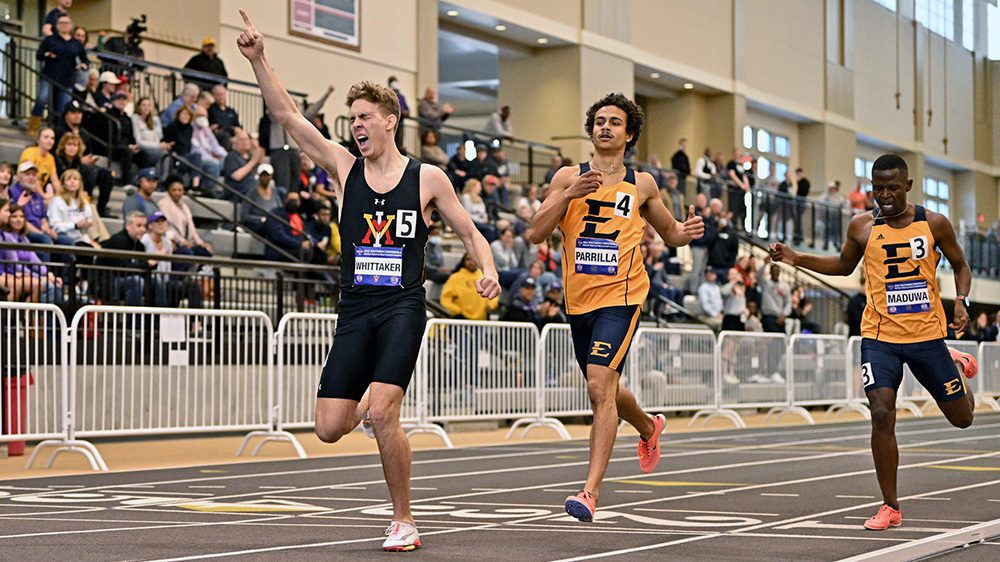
[(907, 297), (595, 256), (378, 266)]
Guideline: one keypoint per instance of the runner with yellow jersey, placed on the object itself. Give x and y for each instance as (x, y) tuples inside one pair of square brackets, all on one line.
[(904, 320), (602, 208)]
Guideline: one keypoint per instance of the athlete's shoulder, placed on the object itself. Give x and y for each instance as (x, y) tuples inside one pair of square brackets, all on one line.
[(431, 175), (565, 174), (940, 226)]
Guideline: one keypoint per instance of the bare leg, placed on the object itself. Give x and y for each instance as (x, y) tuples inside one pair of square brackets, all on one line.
[(385, 403), (603, 387), (629, 410), (335, 417), (884, 448)]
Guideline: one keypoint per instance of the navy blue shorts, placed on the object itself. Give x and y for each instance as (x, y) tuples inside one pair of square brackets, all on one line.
[(930, 361), (603, 336)]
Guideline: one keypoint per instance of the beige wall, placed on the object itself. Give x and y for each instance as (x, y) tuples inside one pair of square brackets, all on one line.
[(676, 29), (783, 127), (669, 120)]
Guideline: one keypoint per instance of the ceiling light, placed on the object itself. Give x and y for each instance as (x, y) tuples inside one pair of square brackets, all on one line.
[(688, 86), (543, 41), (452, 13), (654, 75), (501, 28)]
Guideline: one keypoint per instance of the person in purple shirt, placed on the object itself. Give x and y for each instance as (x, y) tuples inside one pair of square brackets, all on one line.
[(31, 278), (26, 193)]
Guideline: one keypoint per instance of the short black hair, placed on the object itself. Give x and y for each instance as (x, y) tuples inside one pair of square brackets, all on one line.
[(890, 162), (172, 179), (634, 117)]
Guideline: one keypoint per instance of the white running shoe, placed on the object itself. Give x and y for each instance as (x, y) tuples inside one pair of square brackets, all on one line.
[(366, 425), (401, 537)]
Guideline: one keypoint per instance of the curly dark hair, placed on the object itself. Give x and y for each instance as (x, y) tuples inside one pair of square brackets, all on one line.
[(633, 121)]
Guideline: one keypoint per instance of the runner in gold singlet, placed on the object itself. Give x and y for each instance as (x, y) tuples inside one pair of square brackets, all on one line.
[(904, 320), (602, 208)]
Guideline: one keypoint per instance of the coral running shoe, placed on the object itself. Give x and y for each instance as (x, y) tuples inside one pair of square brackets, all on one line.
[(401, 537), (968, 362), (649, 451), (885, 518), (582, 506)]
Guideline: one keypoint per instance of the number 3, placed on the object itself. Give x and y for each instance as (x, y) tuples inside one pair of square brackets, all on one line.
[(867, 378), (918, 246)]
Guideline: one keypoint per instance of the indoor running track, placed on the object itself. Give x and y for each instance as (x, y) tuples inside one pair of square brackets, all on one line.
[(788, 493)]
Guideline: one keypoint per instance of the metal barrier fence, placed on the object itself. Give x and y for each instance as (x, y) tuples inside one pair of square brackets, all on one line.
[(913, 396), (673, 370), (817, 372), (988, 383)]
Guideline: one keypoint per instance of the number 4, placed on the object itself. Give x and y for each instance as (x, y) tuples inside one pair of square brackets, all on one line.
[(623, 205)]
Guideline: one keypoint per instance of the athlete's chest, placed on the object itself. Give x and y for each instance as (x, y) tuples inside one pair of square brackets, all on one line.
[(605, 213), (901, 253)]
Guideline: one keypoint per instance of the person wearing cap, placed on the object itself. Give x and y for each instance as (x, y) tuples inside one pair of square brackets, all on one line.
[(142, 199), (240, 166), (261, 200), (168, 289), (107, 86), (207, 61), (60, 54), (116, 284), (551, 308), (482, 166), (524, 306), (124, 149), (34, 198)]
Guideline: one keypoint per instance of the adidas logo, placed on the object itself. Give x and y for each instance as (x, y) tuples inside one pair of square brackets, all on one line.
[(880, 237)]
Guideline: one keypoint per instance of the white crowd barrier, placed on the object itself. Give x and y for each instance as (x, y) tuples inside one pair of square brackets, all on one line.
[(673, 370), (988, 380), (854, 391)]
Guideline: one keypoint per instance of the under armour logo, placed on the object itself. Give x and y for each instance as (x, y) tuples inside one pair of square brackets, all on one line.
[(379, 201)]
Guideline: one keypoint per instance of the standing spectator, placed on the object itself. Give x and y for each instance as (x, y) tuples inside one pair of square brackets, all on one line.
[(207, 61), (706, 173), (30, 277), (142, 199), (147, 129), (801, 193), (70, 213), (31, 196), (432, 112), (62, 56), (672, 194), (801, 308), (264, 197), (404, 111), (776, 299), (51, 21), (223, 118), (282, 150), (524, 306), (460, 297), (785, 205), (498, 125), (430, 152), (710, 299), (125, 286), (993, 331), (724, 247), (699, 247), (735, 302), (212, 154), (188, 99), (554, 165), (72, 154), (739, 186), (680, 161), (856, 309), (180, 220), (833, 215), (505, 257), (43, 159), (239, 167), (858, 198)]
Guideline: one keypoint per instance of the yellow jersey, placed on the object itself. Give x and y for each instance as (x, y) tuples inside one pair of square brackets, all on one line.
[(900, 264), (602, 264)]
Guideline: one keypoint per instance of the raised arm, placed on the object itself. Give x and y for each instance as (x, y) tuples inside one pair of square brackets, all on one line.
[(326, 153), (944, 236), (843, 265), (443, 198), (673, 232), (565, 186)]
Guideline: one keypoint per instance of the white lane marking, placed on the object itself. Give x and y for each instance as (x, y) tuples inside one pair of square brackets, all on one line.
[(327, 498), (856, 497), (632, 491), (207, 487), (908, 519), (488, 489), (418, 489), (345, 487), (993, 500), (67, 486), (780, 495), (156, 493), (694, 493), (934, 499), (707, 512), (25, 489), (858, 527), (136, 486), (276, 487)]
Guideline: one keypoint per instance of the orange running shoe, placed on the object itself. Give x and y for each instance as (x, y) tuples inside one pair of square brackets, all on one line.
[(968, 362), (582, 506), (649, 451), (885, 518)]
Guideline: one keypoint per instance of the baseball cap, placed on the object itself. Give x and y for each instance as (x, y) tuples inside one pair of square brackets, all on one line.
[(490, 178), (208, 41), (555, 286), (265, 168), (147, 174), (157, 216), (109, 77), (119, 95), (25, 166), (529, 282), (73, 106)]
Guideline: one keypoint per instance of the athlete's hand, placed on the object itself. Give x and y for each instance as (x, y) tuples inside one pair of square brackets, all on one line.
[(961, 318), (694, 226), (250, 42), (585, 184), (488, 286), (780, 253)]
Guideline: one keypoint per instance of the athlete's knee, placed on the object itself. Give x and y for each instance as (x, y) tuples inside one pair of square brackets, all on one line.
[(883, 417), (330, 433), (383, 417), (962, 420), (602, 390)]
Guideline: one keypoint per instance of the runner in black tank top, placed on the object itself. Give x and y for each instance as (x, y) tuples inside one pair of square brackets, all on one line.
[(386, 200)]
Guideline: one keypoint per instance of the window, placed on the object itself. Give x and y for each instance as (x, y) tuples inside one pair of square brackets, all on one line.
[(891, 4), (936, 194), (763, 167), (782, 147), (863, 168), (770, 151), (937, 16), (747, 137), (968, 25), (763, 140), (993, 31), (780, 169)]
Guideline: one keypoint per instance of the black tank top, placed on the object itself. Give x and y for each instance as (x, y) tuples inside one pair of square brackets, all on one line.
[(383, 236)]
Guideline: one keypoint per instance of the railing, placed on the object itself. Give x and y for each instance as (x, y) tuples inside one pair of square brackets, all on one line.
[(148, 371)]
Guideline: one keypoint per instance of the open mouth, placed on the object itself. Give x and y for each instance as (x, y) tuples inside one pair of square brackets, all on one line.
[(363, 141)]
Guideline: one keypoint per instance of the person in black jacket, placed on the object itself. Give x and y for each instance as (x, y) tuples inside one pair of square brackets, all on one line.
[(118, 285), (680, 161), (524, 307), (724, 247), (275, 229), (60, 53), (855, 310), (207, 61), (179, 132)]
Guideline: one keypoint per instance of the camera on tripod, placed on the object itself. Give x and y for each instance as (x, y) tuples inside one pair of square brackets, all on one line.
[(128, 46), (134, 30)]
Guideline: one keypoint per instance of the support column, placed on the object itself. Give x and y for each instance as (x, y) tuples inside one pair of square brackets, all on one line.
[(827, 153), (427, 51), (725, 127)]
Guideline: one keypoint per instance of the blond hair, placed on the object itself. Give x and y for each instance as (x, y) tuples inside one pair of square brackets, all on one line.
[(81, 195), (378, 94), (467, 190)]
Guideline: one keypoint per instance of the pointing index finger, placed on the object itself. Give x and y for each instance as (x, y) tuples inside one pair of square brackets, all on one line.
[(246, 20)]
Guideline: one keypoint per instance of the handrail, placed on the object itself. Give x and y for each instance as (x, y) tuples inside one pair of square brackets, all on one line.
[(682, 310), (341, 123), (797, 270)]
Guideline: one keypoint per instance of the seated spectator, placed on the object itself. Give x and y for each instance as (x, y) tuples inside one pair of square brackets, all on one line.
[(529, 199), (6, 282), (262, 200), (123, 150), (238, 169), (801, 308), (124, 282), (776, 299), (505, 257), (179, 133), (71, 155), (458, 168), (430, 152), (223, 119), (30, 196), (23, 269), (188, 98), (6, 177), (41, 156), (526, 251), (107, 84), (474, 205), (434, 268), (180, 220), (148, 132), (554, 165), (317, 183), (168, 289), (142, 199), (326, 233), (212, 154), (460, 297), (281, 148), (431, 112), (551, 308), (753, 323), (292, 239), (523, 306), (543, 279), (498, 162), (205, 101), (482, 166), (86, 96), (70, 213), (496, 195), (659, 280), (710, 299)]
